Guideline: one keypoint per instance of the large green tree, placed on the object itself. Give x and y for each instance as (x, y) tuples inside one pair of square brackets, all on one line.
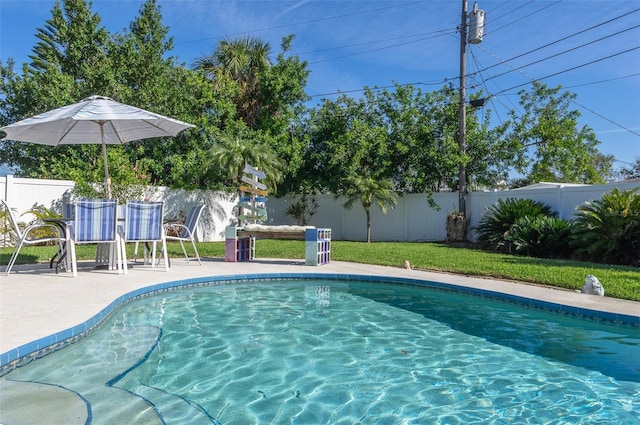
[(75, 58), (405, 135), (237, 146), (68, 63), (268, 96), (243, 61), (548, 143)]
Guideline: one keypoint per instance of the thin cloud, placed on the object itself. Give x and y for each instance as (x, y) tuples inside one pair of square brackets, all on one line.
[(291, 9)]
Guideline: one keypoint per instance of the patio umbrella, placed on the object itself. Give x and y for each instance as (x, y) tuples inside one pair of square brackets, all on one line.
[(94, 120)]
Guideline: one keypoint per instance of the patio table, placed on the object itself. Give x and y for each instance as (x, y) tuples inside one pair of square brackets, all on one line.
[(61, 254)]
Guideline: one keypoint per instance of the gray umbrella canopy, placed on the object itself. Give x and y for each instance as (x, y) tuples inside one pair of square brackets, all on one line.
[(94, 120)]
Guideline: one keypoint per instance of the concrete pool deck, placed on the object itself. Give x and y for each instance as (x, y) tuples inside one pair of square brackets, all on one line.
[(35, 302)]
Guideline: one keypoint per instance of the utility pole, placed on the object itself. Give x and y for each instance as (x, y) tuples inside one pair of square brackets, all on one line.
[(469, 33), (462, 136)]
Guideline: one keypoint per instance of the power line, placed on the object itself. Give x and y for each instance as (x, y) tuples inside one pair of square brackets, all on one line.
[(525, 17), (603, 81), (517, 8), (444, 32), (570, 69), (564, 38), (311, 21), (607, 119), (565, 51), (440, 32), (419, 83), (377, 49), (502, 92)]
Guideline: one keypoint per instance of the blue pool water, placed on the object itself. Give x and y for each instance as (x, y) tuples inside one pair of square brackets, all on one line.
[(342, 352)]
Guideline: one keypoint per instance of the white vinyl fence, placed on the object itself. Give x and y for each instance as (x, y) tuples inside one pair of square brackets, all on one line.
[(22, 194), (411, 220)]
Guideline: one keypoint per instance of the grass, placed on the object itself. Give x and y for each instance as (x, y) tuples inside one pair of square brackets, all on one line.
[(619, 281)]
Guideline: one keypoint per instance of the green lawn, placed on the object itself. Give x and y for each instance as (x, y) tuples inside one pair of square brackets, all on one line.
[(619, 282)]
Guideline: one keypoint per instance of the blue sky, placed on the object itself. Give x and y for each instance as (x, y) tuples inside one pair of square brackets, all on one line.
[(591, 48)]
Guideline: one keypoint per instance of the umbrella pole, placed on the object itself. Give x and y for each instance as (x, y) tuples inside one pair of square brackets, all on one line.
[(107, 179)]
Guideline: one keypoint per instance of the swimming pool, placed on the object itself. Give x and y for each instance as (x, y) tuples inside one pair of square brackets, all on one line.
[(339, 351)]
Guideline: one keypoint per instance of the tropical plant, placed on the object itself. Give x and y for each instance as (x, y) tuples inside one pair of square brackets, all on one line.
[(302, 208), (493, 229), (40, 212), (241, 60), (238, 146), (368, 191), (541, 236), (5, 227), (607, 230)]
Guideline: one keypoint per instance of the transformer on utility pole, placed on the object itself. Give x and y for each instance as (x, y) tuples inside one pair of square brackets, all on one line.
[(475, 33), (476, 25)]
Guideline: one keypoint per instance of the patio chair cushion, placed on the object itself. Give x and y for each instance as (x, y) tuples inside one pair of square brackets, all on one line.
[(95, 220)]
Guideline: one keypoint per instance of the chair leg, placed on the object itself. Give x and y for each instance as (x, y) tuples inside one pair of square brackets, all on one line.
[(71, 248), (153, 253), (14, 256), (122, 256), (184, 251), (135, 252), (164, 254), (196, 251)]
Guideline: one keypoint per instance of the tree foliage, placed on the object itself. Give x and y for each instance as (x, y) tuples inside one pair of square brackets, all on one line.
[(267, 96), (549, 146), (246, 100), (405, 135), (632, 171), (75, 58), (368, 191)]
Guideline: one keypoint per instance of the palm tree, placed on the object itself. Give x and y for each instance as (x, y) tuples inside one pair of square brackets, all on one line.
[(368, 190), (236, 147), (242, 61)]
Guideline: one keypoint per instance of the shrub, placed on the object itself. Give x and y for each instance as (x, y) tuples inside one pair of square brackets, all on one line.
[(608, 230), (303, 208), (494, 227), (541, 236)]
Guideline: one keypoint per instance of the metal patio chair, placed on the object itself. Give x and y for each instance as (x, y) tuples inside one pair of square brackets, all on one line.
[(186, 232), (33, 234), (143, 223), (96, 222)]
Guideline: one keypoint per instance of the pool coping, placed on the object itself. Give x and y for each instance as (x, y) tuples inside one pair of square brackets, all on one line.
[(25, 353)]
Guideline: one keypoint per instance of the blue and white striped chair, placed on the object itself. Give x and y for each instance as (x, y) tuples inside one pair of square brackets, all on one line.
[(187, 231), (95, 222), (143, 223)]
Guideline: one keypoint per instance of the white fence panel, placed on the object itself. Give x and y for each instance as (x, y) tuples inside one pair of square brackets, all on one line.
[(411, 220), (22, 194)]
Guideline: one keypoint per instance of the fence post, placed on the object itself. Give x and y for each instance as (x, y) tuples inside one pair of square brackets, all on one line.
[(9, 189), (559, 200)]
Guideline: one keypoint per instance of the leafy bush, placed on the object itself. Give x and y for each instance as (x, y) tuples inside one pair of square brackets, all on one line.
[(541, 236), (608, 230), (303, 208), (494, 227)]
